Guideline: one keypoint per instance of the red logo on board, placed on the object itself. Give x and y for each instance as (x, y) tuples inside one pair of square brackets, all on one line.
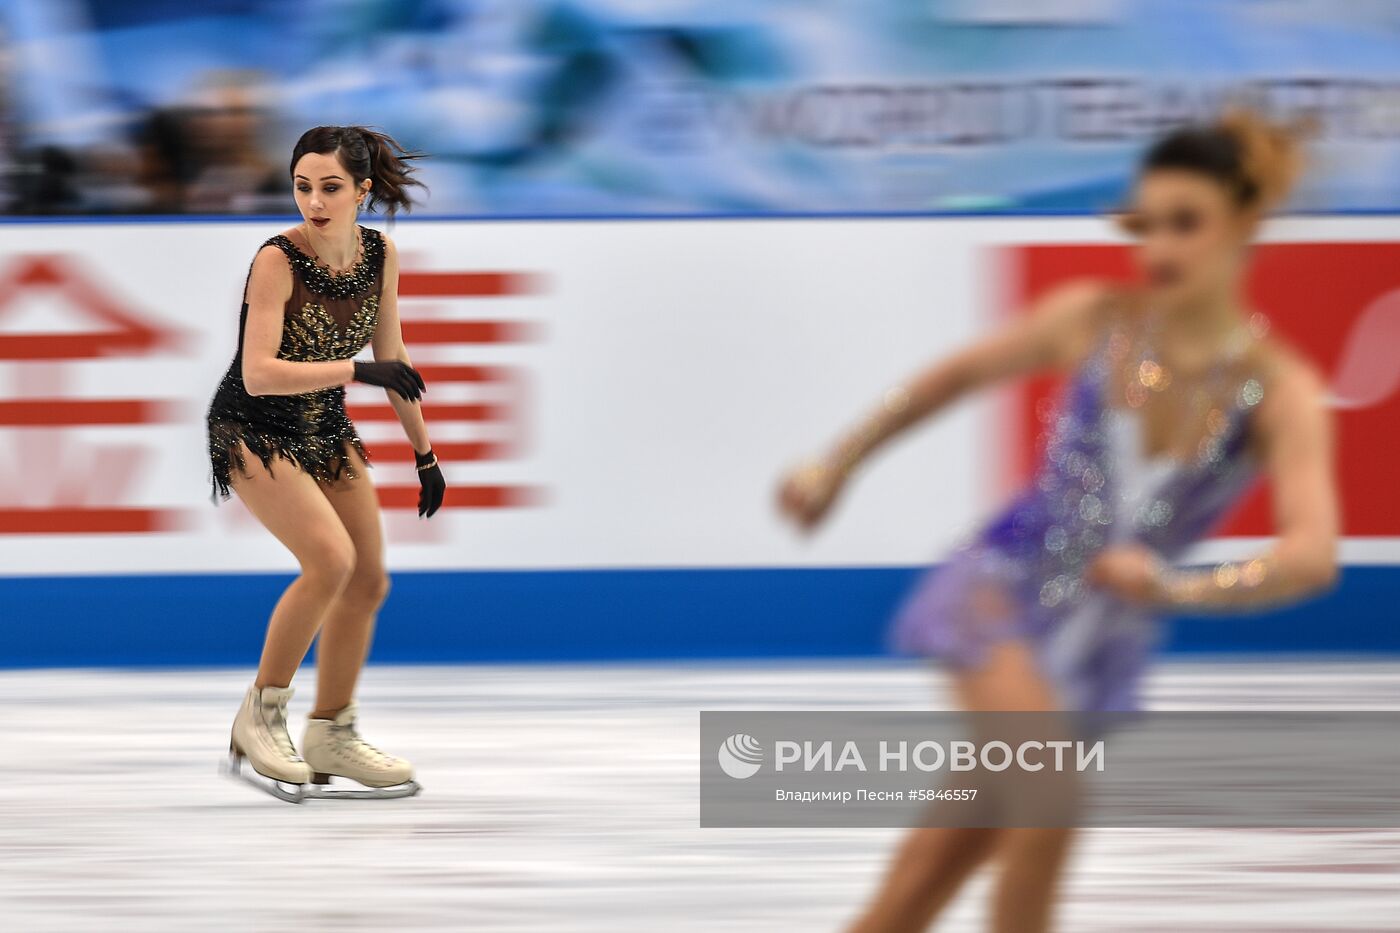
[(476, 411), (57, 482), (57, 478), (1337, 303)]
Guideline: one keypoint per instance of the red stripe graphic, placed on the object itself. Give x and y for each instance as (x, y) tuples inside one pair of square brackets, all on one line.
[(446, 451), (463, 497), (465, 411), (466, 284), (82, 521), (447, 372), (49, 412), (469, 332), (75, 346)]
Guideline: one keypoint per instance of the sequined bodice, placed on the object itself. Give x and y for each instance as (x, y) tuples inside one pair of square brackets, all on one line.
[(330, 316), (312, 333), (1092, 490), (327, 317), (1099, 485)]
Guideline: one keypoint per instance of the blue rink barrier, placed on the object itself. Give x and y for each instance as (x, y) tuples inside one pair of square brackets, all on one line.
[(588, 615)]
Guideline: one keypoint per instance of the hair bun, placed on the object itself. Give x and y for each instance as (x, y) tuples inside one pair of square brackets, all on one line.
[(1271, 153)]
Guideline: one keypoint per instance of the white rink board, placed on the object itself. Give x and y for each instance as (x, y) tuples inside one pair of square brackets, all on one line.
[(682, 366)]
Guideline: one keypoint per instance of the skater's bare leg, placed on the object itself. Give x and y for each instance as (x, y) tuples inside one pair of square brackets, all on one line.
[(290, 504), (1030, 860), (348, 626), (933, 863), (332, 745)]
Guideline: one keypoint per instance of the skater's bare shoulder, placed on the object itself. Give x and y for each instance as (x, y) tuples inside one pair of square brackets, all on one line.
[(1295, 397), (270, 281), (1053, 332), (391, 252)]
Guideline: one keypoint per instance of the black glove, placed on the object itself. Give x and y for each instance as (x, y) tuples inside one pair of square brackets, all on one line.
[(434, 486), (391, 374)]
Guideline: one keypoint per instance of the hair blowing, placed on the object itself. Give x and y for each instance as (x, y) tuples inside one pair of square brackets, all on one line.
[(366, 153), (1259, 161)]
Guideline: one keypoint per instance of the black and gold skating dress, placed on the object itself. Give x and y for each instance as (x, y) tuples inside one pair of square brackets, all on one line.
[(329, 316)]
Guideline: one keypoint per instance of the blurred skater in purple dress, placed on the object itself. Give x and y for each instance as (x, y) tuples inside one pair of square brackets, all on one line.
[(1175, 402)]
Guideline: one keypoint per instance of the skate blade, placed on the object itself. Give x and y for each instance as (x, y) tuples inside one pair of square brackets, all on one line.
[(315, 791), (232, 767)]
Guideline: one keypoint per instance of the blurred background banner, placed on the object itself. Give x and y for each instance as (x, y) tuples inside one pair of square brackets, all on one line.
[(722, 107)]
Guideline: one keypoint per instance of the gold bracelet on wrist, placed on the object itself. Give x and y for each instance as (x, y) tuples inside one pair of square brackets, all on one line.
[(1189, 587)]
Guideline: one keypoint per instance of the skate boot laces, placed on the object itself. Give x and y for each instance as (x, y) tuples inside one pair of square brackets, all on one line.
[(275, 719), (351, 744)]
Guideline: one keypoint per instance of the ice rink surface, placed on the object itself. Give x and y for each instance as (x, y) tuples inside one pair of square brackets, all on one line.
[(565, 798)]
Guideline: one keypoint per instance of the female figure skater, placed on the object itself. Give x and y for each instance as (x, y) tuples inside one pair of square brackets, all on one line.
[(1175, 400), (279, 436)]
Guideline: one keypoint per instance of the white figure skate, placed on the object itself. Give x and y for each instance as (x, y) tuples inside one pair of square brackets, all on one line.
[(260, 735), (334, 749)]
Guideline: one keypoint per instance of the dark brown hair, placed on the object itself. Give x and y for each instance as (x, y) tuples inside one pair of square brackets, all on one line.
[(365, 153), (1258, 160)]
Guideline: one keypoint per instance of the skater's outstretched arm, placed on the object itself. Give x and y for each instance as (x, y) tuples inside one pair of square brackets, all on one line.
[(1057, 333)]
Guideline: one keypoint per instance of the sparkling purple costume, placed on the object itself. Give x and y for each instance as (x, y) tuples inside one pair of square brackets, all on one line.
[(1022, 577)]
